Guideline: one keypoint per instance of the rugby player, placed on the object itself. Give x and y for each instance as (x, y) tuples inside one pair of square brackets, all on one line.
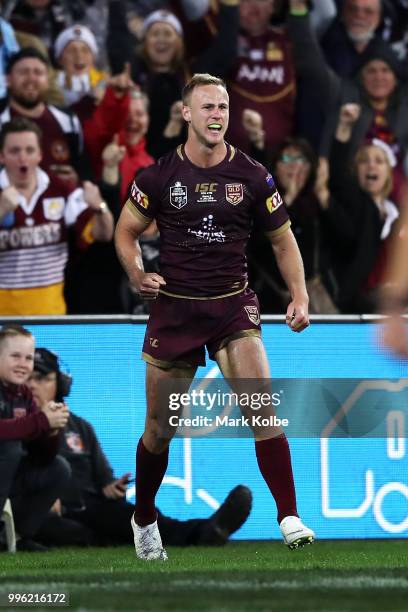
[(205, 196), (394, 299)]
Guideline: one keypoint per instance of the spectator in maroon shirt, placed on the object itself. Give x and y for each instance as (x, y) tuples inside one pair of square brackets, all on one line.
[(28, 84), (31, 474), (263, 77)]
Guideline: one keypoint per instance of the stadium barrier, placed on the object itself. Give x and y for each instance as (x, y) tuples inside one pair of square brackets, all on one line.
[(348, 485)]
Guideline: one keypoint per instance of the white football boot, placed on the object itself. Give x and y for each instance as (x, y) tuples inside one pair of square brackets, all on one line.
[(148, 542), (295, 534)]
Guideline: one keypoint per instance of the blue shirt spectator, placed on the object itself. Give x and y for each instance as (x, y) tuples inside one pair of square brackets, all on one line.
[(9, 45)]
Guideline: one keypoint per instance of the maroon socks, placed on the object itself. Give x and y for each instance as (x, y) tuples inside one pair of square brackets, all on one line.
[(274, 462), (150, 470)]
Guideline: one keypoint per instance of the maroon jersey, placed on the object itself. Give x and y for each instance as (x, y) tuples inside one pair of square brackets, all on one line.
[(205, 216), (263, 80), (60, 130)]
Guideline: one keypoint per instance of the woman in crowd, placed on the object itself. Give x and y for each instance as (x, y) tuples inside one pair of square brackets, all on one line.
[(76, 51), (161, 69), (359, 218), (302, 181), (379, 88)]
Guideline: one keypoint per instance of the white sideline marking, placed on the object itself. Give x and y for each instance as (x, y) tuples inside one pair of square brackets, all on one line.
[(338, 582)]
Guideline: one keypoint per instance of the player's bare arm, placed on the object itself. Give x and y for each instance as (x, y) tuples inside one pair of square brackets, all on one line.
[(127, 233), (291, 267), (394, 296)]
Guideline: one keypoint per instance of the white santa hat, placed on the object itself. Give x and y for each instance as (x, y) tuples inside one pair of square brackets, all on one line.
[(392, 160), (76, 32), (164, 17)]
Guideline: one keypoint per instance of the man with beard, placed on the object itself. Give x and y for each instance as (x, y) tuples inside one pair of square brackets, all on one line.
[(28, 83)]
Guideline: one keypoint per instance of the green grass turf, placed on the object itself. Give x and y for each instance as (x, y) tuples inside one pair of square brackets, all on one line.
[(336, 576)]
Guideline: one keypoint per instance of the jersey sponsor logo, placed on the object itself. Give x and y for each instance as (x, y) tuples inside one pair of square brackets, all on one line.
[(139, 197), (23, 237), (208, 231), (234, 193), (274, 53), (274, 202), (253, 314), (206, 187), (74, 442), (276, 74), (256, 55), (53, 208), (206, 191), (19, 412), (178, 195)]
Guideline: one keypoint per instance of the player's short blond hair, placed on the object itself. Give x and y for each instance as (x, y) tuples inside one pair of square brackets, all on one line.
[(199, 80)]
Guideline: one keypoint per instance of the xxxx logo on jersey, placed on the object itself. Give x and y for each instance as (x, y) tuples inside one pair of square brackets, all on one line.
[(274, 202), (139, 197)]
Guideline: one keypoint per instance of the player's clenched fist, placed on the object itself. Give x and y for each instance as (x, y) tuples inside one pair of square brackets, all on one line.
[(148, 284), (9, 199), (297, 317)]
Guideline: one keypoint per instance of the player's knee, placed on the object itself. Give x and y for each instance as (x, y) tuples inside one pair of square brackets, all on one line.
[(157, 438)]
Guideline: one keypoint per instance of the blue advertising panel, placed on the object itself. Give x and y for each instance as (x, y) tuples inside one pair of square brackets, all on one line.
[(346, 488)]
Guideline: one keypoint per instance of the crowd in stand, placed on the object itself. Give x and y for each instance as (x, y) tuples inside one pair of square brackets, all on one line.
[(91, 94)]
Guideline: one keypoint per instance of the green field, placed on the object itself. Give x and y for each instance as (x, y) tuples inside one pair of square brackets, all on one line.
[(338, 576)]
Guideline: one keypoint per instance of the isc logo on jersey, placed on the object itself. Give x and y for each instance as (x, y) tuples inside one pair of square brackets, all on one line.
[(139, 197), (274, 202)]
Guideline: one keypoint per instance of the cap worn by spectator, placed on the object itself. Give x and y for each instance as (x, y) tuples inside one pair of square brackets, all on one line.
[(384, 53), (45, 361), (75, 33), (163, 17)]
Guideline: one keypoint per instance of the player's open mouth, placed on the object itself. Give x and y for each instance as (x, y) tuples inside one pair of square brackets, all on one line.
[(23, 169), (215, 127)]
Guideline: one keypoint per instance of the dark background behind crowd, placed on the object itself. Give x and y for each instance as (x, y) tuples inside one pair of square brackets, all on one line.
[(318, 94)]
